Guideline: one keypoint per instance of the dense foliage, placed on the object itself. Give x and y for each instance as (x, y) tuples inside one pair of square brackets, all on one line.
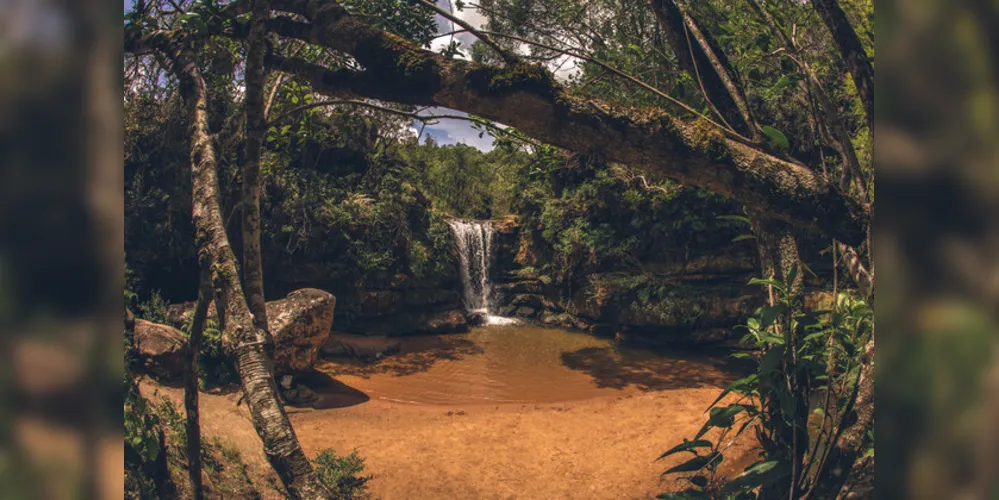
[(801, 354), (580, 215)]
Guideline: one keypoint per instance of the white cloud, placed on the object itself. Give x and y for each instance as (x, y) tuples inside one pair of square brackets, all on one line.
[(454, 131)]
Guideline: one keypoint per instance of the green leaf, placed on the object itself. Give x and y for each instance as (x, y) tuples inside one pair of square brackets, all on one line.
[(785, 81), (792, 274), (698, 481), (777, 136), (743, 237), (687, 445), (720, 417), (741, 386), (736, 218), (770, 314), (636, 48), (771, 361), (697, 463), (756, 475), (767, 282)]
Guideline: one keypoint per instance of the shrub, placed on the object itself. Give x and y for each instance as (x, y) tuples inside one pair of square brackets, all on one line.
[(154, 309), (342, 474), (801, 353)]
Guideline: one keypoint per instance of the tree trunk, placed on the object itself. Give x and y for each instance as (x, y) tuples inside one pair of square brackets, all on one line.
[(241, 339), (256, 128), (105, 199), (703, 59), (852, 51), (191, 378)]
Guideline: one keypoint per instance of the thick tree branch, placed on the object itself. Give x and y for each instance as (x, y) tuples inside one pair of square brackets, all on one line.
[(426, 119), (529, 98)]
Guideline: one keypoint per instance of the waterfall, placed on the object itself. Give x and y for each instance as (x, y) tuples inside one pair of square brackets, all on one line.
[(475, 240)]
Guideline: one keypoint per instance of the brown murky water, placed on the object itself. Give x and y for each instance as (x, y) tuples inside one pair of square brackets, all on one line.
[(525, 364)]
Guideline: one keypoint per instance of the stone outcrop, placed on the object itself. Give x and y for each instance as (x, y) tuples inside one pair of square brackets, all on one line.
[(680, 298), (299, 323), (160, 348)]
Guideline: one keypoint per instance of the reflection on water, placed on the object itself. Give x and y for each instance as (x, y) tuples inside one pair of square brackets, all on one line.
[(524, 364)]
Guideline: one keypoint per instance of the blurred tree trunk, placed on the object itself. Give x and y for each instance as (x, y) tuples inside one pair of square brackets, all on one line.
[(105, 199)]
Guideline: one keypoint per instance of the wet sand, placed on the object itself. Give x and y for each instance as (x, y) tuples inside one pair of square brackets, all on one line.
[(520, 413)]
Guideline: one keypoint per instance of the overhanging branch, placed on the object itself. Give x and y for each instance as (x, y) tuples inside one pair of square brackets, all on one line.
[(531, 100)]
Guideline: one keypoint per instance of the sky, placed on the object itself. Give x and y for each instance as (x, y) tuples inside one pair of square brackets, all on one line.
[(459, 131)]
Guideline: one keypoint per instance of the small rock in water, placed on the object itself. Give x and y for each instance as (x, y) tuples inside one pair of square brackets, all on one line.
[(477, 318)]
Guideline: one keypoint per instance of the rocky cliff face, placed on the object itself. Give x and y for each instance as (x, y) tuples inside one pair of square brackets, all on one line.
[(680, 299)]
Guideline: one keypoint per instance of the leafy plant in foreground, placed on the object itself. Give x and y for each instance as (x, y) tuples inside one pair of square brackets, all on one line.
[(804, 384), (342, 474)]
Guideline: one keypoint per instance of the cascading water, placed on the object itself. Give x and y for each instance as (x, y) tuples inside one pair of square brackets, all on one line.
[(475, 239)]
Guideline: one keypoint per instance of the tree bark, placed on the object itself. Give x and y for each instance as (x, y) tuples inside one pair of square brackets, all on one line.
[(527, 97), (703, 59), (241, 338), (256, 128), (191, 385), (852, 51), (828, 115)]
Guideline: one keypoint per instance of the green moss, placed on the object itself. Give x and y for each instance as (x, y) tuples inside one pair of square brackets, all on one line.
[(500, 82), (392, 58), (706, 139)]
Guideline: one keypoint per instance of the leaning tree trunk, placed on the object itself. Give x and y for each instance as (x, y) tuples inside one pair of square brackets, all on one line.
[(256, 128), (191, 376), (241, 339)]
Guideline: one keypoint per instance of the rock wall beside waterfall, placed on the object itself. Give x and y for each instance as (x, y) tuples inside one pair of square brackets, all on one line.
[(680, 299)]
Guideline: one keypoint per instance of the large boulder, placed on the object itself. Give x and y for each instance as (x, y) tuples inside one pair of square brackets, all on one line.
[(160, 349), (300, 324)]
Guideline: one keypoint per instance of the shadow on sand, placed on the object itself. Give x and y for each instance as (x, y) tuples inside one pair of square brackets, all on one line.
[(652, 371), (331, 392), (417, 354)]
